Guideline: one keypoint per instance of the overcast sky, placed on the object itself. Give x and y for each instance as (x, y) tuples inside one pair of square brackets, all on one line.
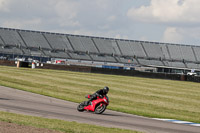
[(172, 21)]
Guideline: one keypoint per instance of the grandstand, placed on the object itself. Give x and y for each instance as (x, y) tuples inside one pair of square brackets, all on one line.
[(44, 46)]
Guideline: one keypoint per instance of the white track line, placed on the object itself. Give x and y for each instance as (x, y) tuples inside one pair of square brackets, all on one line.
[(180, 122)]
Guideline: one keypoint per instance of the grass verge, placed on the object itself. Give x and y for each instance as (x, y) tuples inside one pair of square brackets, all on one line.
[(58, 125), (140, 96)]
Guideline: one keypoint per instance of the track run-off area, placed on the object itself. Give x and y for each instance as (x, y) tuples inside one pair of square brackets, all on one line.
[(21, 102)]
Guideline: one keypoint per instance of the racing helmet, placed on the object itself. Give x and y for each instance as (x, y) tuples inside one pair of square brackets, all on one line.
[(105, 89)]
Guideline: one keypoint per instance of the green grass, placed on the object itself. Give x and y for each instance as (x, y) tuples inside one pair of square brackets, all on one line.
[(59, 125), (140, 96)]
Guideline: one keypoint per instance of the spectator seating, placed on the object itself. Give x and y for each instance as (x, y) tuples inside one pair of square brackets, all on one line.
[(104, 46), (96, 49), (80, 56), (175, 52), (58, 42), (88, 45), (165, 52), (197, 52), (137, 49), (10, 38), (150, 62), (55, 54), (153, 50), (192, 65), (187, 53), (11, 50), (125, 48), (103, 58), (1, 41), (116, 50), (36, 53), (77, 44), (174, 64), (34, 40), (127, 60)]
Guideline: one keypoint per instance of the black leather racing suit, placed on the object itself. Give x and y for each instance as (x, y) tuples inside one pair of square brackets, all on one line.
[(100, 93)]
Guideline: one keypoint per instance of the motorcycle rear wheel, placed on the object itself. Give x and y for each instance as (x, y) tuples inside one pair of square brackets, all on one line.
[(100, 109), (80, 107)]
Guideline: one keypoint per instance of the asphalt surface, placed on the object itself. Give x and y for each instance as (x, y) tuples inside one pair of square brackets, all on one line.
[(17, 101)]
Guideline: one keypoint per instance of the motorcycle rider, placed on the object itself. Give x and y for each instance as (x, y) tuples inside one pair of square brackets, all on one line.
[(100, 93)]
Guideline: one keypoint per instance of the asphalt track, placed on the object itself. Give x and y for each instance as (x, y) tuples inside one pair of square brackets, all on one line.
[(17, 101)]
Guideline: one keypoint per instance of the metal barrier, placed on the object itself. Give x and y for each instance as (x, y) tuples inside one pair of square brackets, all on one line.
[(111, 71)]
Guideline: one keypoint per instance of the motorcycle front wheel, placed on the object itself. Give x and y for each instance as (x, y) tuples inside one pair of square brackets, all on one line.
[(80, 107), (100, 108)]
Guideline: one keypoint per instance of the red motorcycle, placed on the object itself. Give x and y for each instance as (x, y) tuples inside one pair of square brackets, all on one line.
[(97, 106)]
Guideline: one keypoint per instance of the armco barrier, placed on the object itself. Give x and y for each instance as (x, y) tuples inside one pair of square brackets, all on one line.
[(193, 78), (136, 73), (111, 71), (7, 63), (66, 67)]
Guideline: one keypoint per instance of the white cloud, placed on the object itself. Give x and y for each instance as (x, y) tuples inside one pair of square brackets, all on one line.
[(173, 34), (107, 18), (67, 11), (179, 19), (194, 33), (66, 8), (185, 35), (70, 15), (33, 23), (4, 5), (103, 4), (121, 36), (181, 11), (111, 18)]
